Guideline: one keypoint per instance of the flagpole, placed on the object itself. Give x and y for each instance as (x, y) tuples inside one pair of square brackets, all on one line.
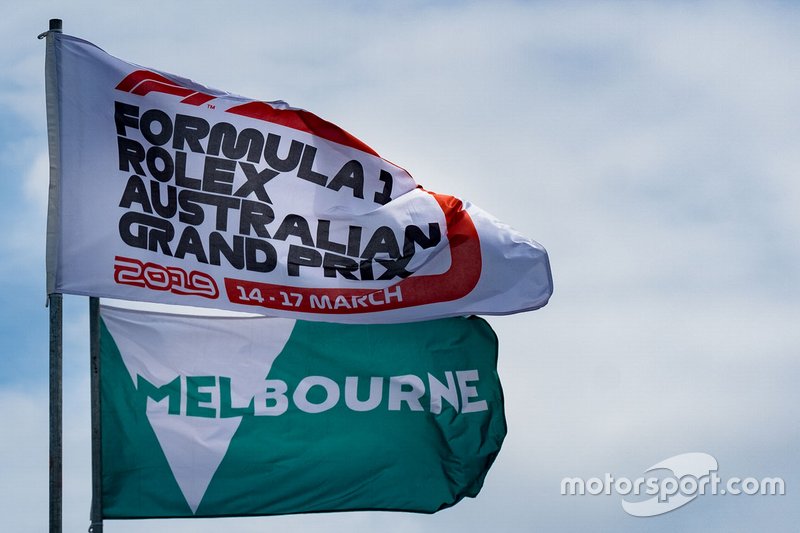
[(55, 412), (54, 302), (97, 450)]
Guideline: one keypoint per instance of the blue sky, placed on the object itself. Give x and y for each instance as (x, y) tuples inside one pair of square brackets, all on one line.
[(650, 147)]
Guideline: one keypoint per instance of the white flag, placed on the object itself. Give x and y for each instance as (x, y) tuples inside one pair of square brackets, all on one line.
[(164, 190)]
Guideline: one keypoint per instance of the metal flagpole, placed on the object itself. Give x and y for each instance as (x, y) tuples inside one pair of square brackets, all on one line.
[(54, 301), (97, 450), (55, 412), (56, 322)]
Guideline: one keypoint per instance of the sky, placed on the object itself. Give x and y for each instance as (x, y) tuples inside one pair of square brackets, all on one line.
[(650, 147)]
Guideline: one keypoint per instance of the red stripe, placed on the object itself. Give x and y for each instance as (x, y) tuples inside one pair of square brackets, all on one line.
[(302, 120), (135, 78), (148, 86), (197, 99), (142, 82)]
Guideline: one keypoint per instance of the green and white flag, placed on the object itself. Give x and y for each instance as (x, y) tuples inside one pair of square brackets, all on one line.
[(211, 416)]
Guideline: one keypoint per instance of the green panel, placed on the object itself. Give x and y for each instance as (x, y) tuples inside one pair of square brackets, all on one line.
[(380, 459)]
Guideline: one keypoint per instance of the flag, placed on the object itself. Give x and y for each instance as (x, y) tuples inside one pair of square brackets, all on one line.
[(210, 416), (164, 190)]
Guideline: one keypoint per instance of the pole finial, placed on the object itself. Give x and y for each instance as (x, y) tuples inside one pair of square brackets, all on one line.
[(55, 26)]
